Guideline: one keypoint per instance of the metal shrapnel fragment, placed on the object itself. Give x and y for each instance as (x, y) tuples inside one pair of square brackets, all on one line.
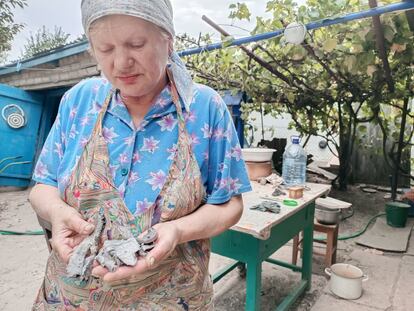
[(277, 192), (149, 237), (112, 255), (115, 253), (267, 206), (80, 263)]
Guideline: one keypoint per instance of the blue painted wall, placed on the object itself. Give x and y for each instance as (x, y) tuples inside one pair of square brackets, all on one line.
[(25, 144), (50, 108), (233, 102), (19, 143)]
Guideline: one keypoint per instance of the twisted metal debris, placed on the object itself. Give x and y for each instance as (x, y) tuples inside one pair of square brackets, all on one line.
[(112, 255)]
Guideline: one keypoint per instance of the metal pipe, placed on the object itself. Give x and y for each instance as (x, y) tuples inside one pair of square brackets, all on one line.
[(3, 169), (10, 158), (401, 6)]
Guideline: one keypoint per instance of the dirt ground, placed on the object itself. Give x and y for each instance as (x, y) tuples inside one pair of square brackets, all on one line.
[(23, 258)]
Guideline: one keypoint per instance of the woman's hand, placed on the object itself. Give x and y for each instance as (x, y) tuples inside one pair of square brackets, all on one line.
[(68, 227), (167, 240), (68, 230)]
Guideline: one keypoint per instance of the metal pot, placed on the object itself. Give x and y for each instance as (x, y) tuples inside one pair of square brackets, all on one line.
[(327, 216), (346, 280)]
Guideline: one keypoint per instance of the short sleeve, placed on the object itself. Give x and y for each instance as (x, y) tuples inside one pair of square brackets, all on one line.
[(52, 153), (226, 169)]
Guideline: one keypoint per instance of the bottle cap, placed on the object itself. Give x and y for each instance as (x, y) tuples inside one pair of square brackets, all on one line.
[(295, 139)]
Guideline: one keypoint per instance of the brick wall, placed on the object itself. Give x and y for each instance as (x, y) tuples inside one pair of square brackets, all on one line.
[(62, 73)]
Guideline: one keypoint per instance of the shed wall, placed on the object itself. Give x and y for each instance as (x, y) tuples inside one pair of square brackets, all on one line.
[(65, 72)]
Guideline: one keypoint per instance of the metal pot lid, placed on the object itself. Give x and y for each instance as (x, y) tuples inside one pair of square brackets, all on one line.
[(332, 203)]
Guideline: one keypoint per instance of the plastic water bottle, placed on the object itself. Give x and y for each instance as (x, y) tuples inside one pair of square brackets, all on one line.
[(294, 164)]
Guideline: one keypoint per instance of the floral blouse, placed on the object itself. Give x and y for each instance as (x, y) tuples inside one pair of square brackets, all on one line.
[(140, 158)]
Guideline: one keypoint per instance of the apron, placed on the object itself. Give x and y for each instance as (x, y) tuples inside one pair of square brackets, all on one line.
[(180, 282)]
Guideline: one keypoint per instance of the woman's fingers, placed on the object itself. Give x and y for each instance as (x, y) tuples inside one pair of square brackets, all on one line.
[(64, 246), (76, 240), (150, 260), (63, 250), (68, 230), (77, 224), (125, 273), (99, 271)]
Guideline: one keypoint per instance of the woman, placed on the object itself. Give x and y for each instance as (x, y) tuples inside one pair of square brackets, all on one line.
[(150, 149)]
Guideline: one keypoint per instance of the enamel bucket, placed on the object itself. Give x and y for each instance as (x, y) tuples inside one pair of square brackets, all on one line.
[(346, 280)]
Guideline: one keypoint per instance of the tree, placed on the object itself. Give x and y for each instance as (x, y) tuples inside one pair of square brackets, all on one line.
[(44, 40), (333, 85), (8, 28), (81, 38), (396, 120)]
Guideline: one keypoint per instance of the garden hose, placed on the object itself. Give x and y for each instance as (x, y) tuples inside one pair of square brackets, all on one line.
[(341, 237), (7, 232), (350, 215), (353, 235)]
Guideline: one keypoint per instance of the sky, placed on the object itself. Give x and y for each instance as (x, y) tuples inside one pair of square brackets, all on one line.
[(66, 14)]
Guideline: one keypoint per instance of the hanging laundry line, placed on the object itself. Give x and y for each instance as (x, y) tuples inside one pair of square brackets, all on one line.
[(394, 7)]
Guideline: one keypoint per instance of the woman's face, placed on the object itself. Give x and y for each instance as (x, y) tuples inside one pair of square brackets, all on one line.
[(131, 52)]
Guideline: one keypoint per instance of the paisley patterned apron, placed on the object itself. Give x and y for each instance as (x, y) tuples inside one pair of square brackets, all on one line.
[(180, 282)]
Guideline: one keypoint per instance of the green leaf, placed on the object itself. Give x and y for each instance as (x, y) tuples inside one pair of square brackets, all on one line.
[(357, 48), (395, 136), (240, 11), (302, 11), (318, 52), (329, 45), (363, 33), (299, 52), (388, 33), (227, 41), (365, 59), (350, 62), (313, 13), (340, 2), (362, 128), (291, 97)]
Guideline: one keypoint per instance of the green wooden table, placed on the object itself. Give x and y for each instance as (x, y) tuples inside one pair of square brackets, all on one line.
[(259, 234)]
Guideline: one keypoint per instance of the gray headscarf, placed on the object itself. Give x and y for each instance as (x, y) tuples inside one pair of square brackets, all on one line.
[(158, 12)]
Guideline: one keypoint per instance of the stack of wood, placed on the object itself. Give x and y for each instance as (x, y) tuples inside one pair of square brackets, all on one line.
[(318, 175)]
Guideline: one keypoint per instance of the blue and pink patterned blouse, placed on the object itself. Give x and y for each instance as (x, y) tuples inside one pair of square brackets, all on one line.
[(140, 158)]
